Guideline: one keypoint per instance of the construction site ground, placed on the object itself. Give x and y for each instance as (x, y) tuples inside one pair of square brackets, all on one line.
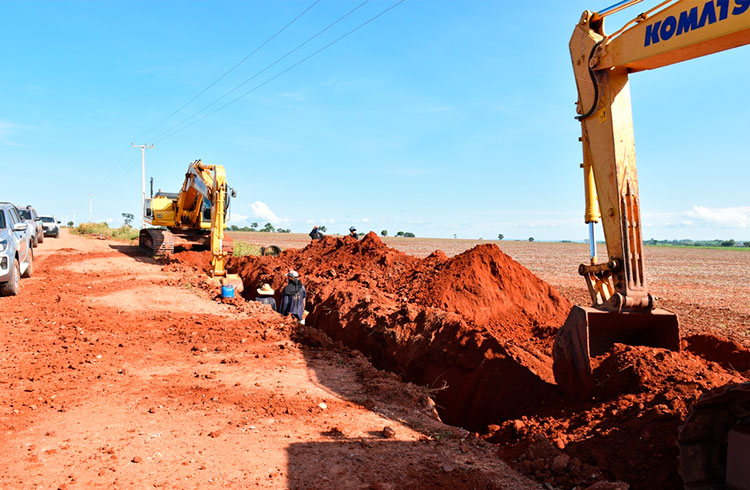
[(120, 371), (117, 373)]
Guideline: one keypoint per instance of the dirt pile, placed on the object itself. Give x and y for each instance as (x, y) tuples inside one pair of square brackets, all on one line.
[(628, 433), (477, 327)]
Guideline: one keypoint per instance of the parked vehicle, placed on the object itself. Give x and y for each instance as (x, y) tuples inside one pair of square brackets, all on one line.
[(16, 254), (49, 225), (35, 224)]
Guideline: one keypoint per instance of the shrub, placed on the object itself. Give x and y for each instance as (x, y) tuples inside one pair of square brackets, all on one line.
[(242, 249), (124, 233)]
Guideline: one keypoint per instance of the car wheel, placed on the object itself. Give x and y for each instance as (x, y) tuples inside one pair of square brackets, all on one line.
[(30, 269), (12, 287)]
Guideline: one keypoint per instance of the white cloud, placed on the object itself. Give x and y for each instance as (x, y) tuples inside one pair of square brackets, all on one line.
[(262, 211), (109, 220), (294, 96), (237, 218), (738, 217), (7, 129)]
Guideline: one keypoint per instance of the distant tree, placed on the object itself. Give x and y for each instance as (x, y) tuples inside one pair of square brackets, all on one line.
[(728, 243), (323, 228), (531, 238), (127, 218), (268, 228), (70, 224), (454, 236), (409, 234), (500, 236), (400, 233), (253, 226), (384, 233), (747, 244), (234, 228), (283, 230)]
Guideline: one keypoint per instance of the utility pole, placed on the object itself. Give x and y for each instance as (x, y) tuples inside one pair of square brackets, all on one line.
[(143, 148), (91, 207)]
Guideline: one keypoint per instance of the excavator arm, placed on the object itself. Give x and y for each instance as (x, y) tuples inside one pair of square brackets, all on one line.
[(712, 455), (623, 310), (673, 32)]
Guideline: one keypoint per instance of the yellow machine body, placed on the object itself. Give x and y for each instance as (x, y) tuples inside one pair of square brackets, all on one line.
[(671, 32), (622, 309), (194, 217)]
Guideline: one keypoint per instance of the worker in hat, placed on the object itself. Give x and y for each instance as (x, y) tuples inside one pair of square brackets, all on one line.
[(293, 297), (353, 233), (316, 234), (265, 296)]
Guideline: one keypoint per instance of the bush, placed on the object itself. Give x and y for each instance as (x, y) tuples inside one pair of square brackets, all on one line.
[(242, 249), (124, 233)]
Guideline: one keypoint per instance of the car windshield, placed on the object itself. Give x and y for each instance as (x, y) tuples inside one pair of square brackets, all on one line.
[(2, 220), (47, 219), (25, 213)]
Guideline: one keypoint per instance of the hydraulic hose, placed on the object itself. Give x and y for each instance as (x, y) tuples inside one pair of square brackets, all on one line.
[(596, 87)]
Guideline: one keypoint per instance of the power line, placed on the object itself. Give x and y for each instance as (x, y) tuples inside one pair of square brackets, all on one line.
[(284, 71), (116, 177), (232, 68), (257, 74)]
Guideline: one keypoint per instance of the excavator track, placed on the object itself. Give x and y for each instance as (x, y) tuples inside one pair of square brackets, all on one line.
[(714, 442), (155, 242)]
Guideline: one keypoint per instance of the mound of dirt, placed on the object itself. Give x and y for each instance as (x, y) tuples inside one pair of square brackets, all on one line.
[(628, 433), (476, 328)]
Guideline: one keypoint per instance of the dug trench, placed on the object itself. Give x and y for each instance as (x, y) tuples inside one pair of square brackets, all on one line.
[(478, 329)]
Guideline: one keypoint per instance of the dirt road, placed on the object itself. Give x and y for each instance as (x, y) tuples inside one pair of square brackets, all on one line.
[(118, 372)]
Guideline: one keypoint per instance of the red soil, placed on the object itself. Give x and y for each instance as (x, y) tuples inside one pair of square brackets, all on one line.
[(478, 328)]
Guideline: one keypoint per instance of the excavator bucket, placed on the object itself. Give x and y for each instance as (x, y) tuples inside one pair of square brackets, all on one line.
[(589, 332)]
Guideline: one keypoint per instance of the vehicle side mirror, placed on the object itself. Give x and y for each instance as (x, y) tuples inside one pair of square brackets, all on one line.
[(37, 219), (58, 222), (20, 227)]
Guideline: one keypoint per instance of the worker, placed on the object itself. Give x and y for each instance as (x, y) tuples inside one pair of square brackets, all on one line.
[(265, 296), (293, 298), (316, 234), (353, 233)]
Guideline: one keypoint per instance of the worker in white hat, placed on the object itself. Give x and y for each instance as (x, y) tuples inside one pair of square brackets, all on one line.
[(293, 297), (265, 296)]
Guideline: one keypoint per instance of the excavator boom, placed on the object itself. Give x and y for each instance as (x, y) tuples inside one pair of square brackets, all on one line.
[(623, 310)]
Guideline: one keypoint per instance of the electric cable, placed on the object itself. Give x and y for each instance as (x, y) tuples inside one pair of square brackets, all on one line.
[(383, 12), (264, 43), (257, 74)]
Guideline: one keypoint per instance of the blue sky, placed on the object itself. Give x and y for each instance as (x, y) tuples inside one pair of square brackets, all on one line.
[(439, 117)]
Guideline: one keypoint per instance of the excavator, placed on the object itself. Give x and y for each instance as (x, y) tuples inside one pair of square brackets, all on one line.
[(193, 218), (714, 442)]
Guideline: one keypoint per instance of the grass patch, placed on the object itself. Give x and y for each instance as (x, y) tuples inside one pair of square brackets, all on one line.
[(243, 249), (124, 233)]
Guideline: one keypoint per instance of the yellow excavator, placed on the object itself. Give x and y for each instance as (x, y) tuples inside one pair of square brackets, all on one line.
[(715, 441), (194, 218)]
